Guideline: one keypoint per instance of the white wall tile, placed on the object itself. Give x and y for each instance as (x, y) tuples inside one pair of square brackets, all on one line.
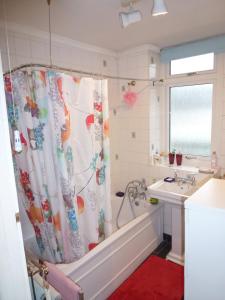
[(21, 60), (142, 60), (22, 46), (223, 122), (3, 47), (223, 108), (8, 64), (11, 42), (39, 50)]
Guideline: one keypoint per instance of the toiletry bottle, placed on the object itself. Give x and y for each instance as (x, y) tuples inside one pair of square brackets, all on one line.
[(214, 160), (157, 159)]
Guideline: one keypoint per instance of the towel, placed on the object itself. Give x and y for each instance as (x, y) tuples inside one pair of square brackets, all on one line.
[(68, 289), (40, 292)]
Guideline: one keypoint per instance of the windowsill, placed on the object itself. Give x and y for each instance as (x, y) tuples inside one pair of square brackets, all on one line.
[(188, 169), (192, 164), (174, 167)]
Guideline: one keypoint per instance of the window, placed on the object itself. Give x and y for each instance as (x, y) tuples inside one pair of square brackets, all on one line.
[(191, 119), (197, 63)]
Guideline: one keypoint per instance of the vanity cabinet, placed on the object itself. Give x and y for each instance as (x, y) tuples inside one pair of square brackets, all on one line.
[(205, 242)]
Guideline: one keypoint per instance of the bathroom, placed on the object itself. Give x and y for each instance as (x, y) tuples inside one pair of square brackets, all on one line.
[(142, 59)]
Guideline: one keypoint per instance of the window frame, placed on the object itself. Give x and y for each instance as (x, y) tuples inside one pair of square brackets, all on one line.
[(169, 116), (184, 81), (190, 74)]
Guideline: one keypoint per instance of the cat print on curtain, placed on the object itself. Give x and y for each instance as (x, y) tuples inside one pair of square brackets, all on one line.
[(48, 179)]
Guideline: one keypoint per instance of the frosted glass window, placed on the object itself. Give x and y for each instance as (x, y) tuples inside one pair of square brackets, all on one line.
[(191, 119), (191, 64)]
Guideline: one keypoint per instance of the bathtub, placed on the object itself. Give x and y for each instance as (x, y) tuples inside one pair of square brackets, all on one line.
[(105, 267)]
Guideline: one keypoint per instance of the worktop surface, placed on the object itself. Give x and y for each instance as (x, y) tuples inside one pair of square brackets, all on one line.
[(210, 195)]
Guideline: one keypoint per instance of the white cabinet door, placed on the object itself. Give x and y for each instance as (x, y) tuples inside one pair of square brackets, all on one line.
[(204, 254), (14, 282)]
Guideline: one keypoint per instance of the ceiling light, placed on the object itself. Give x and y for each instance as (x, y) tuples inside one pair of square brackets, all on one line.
[(130, 17), (126, 3), (159, 8)]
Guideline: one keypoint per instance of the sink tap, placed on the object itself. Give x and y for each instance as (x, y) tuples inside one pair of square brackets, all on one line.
[(190, 178), (175, 176)]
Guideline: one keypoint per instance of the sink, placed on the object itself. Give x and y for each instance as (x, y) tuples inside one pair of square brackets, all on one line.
[(176, 192), (173, 195)]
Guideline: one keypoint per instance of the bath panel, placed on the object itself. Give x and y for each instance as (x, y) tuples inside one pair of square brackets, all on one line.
[(103, 269)]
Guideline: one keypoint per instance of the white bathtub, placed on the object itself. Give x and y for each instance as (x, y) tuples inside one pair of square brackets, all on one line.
[(104, 268)]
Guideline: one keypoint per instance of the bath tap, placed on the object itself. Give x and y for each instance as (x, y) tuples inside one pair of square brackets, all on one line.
[(135, 189), (144, 185), (141, 189)]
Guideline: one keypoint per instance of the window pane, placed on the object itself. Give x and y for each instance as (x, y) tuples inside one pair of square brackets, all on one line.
[(191, 119), (192, 64)]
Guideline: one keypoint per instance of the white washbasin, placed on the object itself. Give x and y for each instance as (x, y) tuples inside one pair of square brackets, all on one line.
[(176, 192)]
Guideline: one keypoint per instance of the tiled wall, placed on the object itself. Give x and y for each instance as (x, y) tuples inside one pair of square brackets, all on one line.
[(28, 48), (142, 129), (133, 123)]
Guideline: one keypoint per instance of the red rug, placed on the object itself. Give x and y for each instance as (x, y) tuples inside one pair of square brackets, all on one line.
[(155, 279)]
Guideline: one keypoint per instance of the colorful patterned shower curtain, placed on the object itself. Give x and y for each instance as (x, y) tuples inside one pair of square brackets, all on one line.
[(62, 172)]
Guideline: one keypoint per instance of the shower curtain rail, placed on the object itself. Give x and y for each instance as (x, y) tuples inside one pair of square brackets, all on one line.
[(92, 74)]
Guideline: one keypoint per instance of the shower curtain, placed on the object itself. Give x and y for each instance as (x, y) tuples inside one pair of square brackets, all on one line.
[(62, 173)]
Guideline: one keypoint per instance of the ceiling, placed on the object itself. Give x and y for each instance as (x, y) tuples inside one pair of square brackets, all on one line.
[(96, 21)]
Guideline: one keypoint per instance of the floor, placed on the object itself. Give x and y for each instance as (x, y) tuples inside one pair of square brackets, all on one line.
[(164, 248), (161, 251)]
